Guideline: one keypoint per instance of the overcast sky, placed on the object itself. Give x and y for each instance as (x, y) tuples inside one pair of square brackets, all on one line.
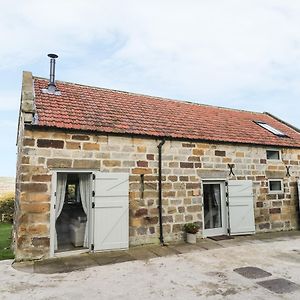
[(233, 53)]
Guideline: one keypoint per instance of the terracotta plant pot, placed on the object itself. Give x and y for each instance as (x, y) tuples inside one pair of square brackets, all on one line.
[(191, 238)]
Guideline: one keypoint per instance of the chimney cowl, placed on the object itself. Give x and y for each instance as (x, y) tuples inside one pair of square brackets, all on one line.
[(52, 89)]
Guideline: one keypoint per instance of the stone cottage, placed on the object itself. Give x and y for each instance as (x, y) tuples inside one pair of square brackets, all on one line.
[(102, 169)]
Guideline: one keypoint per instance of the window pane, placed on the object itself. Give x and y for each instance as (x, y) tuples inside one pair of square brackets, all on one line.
[(271, 129), (275, 185), (273, 154), (212, 206)]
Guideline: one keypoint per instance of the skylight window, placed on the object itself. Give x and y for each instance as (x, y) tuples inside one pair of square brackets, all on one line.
[(271, 129)]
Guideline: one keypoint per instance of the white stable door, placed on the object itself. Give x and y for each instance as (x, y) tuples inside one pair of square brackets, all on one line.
[(241, 212), (110, 212)]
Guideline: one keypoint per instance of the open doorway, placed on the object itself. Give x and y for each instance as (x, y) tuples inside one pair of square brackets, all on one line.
[(215, 217), (73, 196)]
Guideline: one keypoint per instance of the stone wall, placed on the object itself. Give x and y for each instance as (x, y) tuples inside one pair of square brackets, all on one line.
[(184, 166)]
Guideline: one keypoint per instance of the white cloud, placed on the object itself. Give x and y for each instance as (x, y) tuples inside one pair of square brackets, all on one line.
[(230, 53)]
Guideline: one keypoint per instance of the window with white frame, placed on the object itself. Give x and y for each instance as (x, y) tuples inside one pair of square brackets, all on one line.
[(275, 186), (273, 154), (271, 129)]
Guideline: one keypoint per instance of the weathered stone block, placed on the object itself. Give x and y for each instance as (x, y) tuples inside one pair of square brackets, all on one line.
[(141, 230), (264, 226), (150, 156), (188, 145), (25, 160), (86, 164), (192, 185), (186, 165), (141, 171), (34, 187), (28, 142), (41, 143), (142, 164), (152, 220), (197, 151), (41, 242), (111, 163), (176, 228), (80, 137), (194, 158), (274, 210), (59, 163), (194, 208), (141, 212), (167, 219), (220, 153), (41, 178), (73, 145), (141, 149), (35, 207), (38, 229), (91, 146)]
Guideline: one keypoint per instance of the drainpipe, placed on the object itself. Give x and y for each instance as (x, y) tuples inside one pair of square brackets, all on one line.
[(161, 236)]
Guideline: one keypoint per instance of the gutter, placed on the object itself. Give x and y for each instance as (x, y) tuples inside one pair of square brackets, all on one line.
[(161, 235)]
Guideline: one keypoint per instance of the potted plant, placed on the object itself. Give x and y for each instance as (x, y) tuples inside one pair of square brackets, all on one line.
[(191, 229)]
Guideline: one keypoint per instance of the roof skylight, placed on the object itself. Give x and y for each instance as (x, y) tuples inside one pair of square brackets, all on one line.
[(271, 129)]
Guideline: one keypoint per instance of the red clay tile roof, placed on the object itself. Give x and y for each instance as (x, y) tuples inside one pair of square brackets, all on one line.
[(103, 110)]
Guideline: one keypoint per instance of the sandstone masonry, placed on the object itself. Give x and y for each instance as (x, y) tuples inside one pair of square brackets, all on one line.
[(185, 166)]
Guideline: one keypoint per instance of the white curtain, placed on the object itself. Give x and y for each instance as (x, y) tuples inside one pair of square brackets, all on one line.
[(85, 193), (217, 204), (60, 199)]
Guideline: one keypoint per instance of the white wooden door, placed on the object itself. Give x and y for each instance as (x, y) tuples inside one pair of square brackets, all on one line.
[(241, 212), (110, 212)]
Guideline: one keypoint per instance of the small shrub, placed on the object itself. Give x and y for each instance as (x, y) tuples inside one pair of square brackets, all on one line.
[(7, 207), (191, 227)]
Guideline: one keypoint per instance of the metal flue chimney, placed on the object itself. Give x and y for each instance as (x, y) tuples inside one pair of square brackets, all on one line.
[(52, 89), (51, 85)]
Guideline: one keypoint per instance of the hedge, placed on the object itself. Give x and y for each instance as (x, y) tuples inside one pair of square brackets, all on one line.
[(7, 207)]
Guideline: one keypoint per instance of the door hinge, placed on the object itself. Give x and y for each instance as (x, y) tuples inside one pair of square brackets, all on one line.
[(228, 231), (226, 194), (226, 183), (94, 176), (54, 194), (93, 204), (54, 206), (92, 247), (93, 193), (227, 203)]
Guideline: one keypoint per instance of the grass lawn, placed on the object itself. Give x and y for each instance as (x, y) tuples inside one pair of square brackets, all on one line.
[(5, 240)]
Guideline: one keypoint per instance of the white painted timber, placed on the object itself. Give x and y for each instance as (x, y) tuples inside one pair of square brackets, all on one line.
[(111, 224), (241, 212)]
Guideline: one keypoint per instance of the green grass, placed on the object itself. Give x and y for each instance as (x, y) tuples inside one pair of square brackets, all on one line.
[(5, 241)]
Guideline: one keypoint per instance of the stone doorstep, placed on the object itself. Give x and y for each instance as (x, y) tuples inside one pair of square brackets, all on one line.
[(146, 252)]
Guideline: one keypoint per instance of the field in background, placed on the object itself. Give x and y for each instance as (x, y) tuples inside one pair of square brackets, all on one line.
[(7, 184)]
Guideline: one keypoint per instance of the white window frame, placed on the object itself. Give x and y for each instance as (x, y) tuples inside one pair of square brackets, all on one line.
[(271, 129), (224, 212), (273, 159), (278, 191)]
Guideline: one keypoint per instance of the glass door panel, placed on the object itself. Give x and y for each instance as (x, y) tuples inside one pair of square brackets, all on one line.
[(214, 209)]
